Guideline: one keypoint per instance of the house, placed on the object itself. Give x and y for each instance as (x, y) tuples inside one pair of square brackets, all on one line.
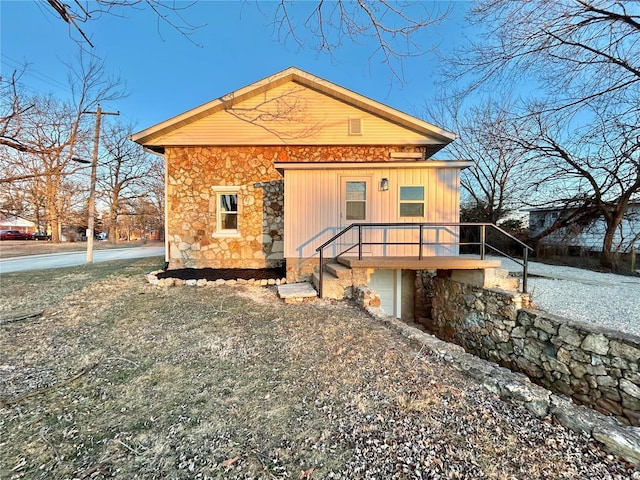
[(12, 222), (263, 176), (588, 237)]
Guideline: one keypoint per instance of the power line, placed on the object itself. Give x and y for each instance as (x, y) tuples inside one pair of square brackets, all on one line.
[(34, 73)]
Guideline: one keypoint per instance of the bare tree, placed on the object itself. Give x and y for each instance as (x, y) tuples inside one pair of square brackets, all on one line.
[(56, 132), (579, 123), (491, 188), (580, 51), (394, 27), (592, 175), (124, 171), (79, 13)]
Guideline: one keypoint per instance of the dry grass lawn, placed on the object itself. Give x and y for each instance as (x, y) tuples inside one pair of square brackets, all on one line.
[(120, 379)]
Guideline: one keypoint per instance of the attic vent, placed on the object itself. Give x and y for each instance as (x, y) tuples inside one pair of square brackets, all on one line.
[(355, 126)]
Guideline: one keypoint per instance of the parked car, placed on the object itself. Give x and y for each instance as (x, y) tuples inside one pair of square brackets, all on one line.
[(40, 236), (14, 235)]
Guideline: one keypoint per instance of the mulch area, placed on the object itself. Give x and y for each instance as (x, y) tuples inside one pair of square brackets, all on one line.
[(212, 274)]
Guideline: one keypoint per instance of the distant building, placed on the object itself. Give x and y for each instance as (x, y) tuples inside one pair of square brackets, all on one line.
[(12, 222), (590, 236)]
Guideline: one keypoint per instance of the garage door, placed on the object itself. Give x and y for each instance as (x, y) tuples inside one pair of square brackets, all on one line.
[(383, 282)]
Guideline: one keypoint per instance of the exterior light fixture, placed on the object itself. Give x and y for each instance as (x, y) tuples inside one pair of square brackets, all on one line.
[(384, 184)]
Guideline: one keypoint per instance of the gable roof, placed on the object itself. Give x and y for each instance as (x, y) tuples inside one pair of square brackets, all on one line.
[(159, 135)]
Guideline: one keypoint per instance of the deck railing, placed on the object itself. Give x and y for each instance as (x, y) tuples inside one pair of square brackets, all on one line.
[(482, 243)]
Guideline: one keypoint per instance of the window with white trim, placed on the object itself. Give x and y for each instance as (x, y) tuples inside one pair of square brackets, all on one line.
[(412, 201), (226, 210)]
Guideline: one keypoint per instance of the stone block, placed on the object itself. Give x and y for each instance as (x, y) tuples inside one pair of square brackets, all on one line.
[(596, 343), (592, 381), (612, 393), (518, 332), (580, 386), (629, 401), (632, 376), (618, 362), (578, 369), (632, 415), (546, 325), (607, 381), (622, 442), (610, 406), (558, 366), (500, 336), (580, 356), (630, 388), (596, 370), (525, 318), (570, 335), (531, 369), (624, 350), (564, 356)]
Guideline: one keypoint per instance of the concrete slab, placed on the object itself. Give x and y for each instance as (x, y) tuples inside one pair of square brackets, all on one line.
[(297, 290)]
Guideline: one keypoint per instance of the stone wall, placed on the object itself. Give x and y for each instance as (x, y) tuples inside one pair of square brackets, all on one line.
[(595, 366), (191, 207), (191, 200)]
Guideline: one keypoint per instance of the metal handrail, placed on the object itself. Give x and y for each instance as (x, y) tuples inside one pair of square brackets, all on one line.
[(421, 226)]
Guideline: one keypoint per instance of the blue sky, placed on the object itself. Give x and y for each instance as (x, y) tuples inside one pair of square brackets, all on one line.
[(166, 74)]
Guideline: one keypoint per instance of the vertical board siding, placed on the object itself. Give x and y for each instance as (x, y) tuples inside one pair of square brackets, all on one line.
[(312, 210)]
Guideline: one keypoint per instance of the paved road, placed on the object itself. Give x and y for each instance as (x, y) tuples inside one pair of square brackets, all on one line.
[(70, 259)]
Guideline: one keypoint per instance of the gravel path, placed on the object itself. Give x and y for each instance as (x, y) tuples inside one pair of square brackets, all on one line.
[(608, 299)]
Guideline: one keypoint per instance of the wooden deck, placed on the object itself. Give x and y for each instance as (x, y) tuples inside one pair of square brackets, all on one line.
[(413, 263)]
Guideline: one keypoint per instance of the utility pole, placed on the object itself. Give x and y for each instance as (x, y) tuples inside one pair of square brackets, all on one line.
[(92, 187)]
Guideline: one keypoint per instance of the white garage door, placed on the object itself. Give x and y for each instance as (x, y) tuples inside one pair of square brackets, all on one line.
[(384, 282)]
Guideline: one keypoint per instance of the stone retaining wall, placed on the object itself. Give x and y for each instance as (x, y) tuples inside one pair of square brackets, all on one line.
[(595, 366)]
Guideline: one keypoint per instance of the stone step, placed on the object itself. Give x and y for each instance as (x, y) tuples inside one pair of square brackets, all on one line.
[(338, 270), (297, 292), (332, 286)]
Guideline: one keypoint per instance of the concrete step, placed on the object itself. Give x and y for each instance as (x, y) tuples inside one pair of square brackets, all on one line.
[(297, 292), (499, 278), (338, 270), (487, 278), (333, 287)]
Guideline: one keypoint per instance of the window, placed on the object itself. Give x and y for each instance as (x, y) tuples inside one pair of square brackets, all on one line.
[(226, 210), (356, 200), (412, 201)]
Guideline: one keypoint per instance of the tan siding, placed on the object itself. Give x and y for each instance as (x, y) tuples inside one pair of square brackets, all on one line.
[(290, 114), (312, 203)]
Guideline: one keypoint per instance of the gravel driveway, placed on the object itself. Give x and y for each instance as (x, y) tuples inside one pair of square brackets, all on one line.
[(608, 299)]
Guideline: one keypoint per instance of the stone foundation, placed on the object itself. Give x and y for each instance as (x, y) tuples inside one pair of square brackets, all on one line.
[(301, 269), (595, 366)]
